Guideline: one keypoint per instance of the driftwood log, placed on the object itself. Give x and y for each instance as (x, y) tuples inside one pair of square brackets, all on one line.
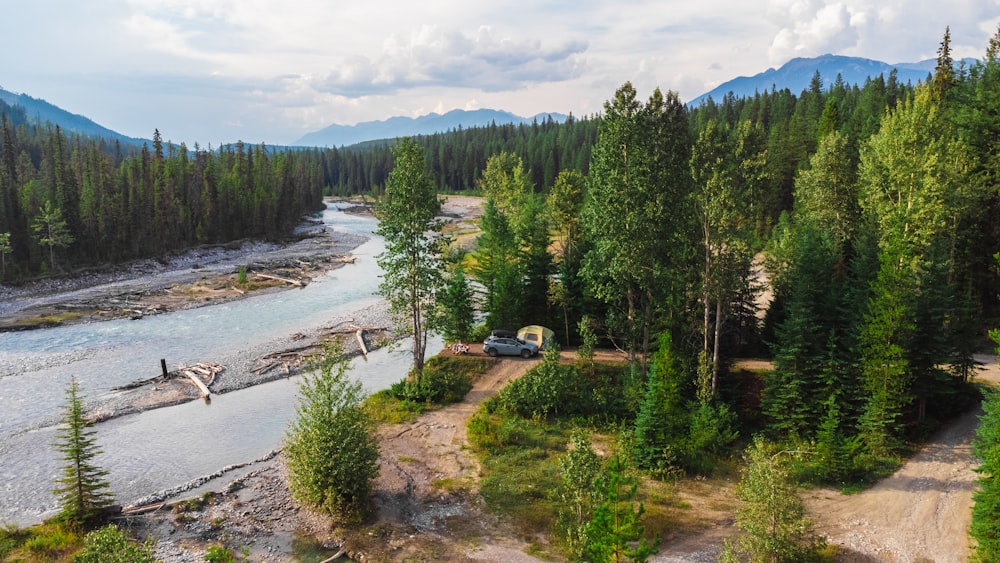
[(299, 355), (296, 283)]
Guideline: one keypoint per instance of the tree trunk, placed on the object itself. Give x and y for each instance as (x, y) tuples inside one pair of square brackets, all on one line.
[(715, 345)]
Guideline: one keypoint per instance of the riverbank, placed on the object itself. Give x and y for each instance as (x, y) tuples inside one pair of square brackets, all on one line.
[(195, 278)]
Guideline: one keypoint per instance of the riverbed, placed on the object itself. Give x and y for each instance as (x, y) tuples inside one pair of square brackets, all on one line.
[(163, 448)]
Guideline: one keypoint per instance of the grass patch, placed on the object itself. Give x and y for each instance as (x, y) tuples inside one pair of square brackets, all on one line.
[(520, 467), (445, 380), (387, 409), (45, 542)]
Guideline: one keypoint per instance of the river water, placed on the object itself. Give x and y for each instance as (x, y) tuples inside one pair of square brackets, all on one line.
[(166, 447)]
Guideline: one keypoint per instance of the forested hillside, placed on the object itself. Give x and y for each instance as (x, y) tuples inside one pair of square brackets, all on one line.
[(875, 209), (68, 200)]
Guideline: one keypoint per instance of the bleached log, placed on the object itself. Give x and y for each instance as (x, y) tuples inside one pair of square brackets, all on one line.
[(361, 341), (198, 383), (296, 283), (335, 557)]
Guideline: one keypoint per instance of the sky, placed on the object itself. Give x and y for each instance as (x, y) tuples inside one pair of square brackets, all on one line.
[(215, 71)]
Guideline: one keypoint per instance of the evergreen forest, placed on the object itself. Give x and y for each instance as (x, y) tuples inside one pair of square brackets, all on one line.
[(870, 209)]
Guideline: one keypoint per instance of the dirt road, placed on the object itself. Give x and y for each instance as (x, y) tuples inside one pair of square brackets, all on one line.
[(920, 513)]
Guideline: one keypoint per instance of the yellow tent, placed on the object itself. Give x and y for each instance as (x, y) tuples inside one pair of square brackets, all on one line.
[(538, 335)]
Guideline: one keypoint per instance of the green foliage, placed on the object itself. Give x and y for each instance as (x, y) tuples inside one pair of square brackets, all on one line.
[(551, 389), (639, 173), (216, 553), (82, 489), (455, 307), (772, 517), (5, 248), (712, 431), (512, 256), (588, 341), (53, 541), (331, 447), (445, 380), (50, 230), (662, 425), (241, 276), (580, 490), (111, 545), (520, 472), (985, 528), (115, 202), (615, 533), (411, 263)]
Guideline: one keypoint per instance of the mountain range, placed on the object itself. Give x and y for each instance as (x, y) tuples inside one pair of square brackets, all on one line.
[(343, 135), (40, 111), (795, 75)]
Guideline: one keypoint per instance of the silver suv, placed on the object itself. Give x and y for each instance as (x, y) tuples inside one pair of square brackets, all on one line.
[(494, 346)]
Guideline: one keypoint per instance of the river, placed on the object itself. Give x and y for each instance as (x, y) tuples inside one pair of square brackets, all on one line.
[(163, 448)]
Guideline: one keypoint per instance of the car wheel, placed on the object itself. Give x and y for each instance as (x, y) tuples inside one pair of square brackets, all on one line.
[(525, 353), (492, 352)]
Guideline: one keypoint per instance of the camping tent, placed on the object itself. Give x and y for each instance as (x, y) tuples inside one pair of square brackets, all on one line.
[(538, 335)]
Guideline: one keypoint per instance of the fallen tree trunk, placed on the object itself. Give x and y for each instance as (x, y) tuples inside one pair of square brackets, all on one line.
[(361, 341), (296, 283), (198, 383)]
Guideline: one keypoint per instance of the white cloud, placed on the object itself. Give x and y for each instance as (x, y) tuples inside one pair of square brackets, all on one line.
[(432, 56), (275, 69)]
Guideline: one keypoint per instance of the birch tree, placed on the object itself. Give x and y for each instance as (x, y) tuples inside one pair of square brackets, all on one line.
[(411, 262)]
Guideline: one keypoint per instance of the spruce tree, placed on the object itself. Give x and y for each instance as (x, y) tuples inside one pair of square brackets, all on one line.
[(82, 488), (985, 528)]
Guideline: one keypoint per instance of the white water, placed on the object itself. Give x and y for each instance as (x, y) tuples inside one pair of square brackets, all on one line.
[(166, 447)]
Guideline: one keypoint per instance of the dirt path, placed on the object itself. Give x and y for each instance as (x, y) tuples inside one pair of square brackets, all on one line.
[(920, 513), (426, 494)]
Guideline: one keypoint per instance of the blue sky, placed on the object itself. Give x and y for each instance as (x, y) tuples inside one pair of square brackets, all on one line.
[(212, 71)]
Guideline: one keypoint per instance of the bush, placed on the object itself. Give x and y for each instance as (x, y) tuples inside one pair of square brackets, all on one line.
[(53, 541), (493, 432), (551, 389), (439, 386), (111, 545), (712, 432), (331, 447), (219, 554)]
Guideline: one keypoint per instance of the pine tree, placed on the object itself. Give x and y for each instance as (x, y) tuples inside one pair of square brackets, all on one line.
[(455, 309), (82, 489), (985, 528), (615, 533), (51, 230), (662, 424)]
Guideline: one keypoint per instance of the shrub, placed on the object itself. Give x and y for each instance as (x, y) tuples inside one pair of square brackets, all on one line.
[(331, 447), (491, 432), (772, 517), (712, 432), (48, 542), (111, 545), (219, 554)]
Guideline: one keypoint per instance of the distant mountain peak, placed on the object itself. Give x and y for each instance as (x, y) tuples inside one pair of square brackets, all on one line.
[(797, 74), (400, 126), (42, 112)]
